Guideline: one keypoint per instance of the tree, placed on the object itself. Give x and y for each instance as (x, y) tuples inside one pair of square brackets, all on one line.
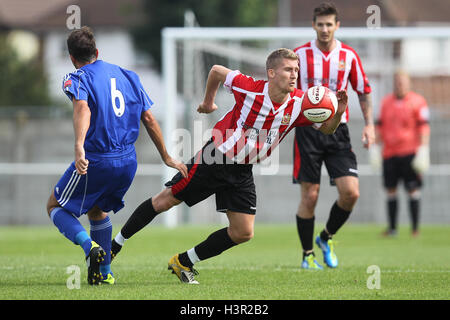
[(211, 13), (21, 83)]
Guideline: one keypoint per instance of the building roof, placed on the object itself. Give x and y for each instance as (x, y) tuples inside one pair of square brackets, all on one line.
[(353, 13), (416, 12), (52, 14)]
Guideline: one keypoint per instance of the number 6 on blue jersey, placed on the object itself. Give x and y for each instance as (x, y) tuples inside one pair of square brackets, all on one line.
[(114, 95)]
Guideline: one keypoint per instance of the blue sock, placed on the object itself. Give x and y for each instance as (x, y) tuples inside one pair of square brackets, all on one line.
[(71, 228), (101, 232)]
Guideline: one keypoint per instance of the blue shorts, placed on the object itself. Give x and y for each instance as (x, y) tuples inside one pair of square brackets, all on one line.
[(105, 184)]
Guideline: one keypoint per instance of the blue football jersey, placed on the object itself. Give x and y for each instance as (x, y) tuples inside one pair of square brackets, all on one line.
[(116, 99)]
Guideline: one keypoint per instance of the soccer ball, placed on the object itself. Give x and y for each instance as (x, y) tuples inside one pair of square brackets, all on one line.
[(319, 104)]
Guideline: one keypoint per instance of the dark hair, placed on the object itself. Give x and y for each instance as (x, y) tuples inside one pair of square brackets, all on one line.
[(326, 9), (81, 44)]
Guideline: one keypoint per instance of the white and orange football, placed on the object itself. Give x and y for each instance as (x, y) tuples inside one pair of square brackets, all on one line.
[(319, 104)]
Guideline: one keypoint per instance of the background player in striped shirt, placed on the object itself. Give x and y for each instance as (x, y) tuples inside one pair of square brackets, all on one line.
[(329, 62), (404, 132), (108, 104), (264, 112)]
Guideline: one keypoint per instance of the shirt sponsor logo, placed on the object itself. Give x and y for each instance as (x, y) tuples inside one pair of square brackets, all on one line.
[(246, 126), (324, 81)]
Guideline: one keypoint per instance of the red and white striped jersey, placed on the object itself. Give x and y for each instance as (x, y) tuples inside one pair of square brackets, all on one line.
[(333, 70), (252, 129)]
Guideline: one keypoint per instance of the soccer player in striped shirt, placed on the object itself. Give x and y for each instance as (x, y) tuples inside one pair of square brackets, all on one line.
[(328, 62), (403, 130), (108, 104), (264, 112)]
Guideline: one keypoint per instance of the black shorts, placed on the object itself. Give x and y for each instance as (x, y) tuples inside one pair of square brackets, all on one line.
[(312, 148), (232, 184), (400, 168)]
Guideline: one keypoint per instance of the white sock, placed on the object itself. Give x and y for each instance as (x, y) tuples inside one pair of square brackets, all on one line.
[(120, 239), (193, 256)]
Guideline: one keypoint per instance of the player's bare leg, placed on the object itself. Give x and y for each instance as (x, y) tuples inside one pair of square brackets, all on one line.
[(241, 226), (72, 229), (240, 230), (52, 204), (348, 189), (164, 200), (96, 214), (305, 223), (309, 193), (142, 216)]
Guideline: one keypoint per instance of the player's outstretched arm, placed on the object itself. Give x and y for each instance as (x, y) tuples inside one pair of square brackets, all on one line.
[(330, 126), (368, 134), (81, 123), (216, 76), (155, 133)]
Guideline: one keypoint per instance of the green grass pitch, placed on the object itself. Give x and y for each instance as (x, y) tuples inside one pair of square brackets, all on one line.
[(34, 262)]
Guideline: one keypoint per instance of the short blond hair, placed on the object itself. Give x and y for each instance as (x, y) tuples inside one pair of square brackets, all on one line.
[(274, 58)]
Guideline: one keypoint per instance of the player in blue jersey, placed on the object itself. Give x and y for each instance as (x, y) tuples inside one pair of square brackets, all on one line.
[(108, 105)]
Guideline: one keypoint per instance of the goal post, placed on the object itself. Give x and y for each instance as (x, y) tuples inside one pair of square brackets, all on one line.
[(188, 53)]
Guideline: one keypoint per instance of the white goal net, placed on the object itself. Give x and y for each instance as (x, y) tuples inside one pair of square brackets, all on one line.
[(189, 53)]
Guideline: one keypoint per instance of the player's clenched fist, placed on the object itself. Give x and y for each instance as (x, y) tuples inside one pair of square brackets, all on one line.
[(203, 108), (81, 163), (342, 98)]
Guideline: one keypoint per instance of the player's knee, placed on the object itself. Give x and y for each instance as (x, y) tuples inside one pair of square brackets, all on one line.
[(350, 196), (247, 236), (96, 214), (161, 205), (391, 193), (49, 209), (414, 194), (354, 195), (51, 204), (164, 200), (310, 197), (241, 235)]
